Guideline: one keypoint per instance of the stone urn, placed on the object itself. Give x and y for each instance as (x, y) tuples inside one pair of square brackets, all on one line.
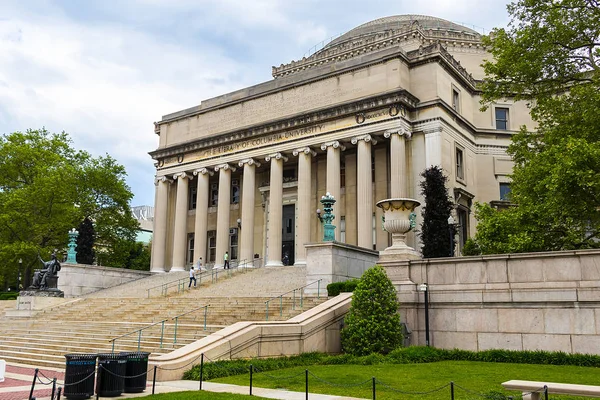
[(398, 214)]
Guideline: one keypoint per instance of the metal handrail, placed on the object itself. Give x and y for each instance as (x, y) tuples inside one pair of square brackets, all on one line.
[(176, 318), (139, 331), (280, 297), (214, 274)]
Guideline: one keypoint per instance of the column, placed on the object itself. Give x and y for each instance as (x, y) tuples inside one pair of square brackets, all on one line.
[(159, 235), (364, 190), (275, 210), (248, 192), (433, 146), (398, 170), (201, 226), (224, 171), (304, 155), (180, 229), (333, 179)]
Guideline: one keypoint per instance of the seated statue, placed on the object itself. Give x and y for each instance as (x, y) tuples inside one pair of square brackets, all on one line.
[(43, 278)]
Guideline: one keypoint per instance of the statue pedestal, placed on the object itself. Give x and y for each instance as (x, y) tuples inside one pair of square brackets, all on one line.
[(32, 301)]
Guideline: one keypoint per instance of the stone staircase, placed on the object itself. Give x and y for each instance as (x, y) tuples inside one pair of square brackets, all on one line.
[(89, 325)]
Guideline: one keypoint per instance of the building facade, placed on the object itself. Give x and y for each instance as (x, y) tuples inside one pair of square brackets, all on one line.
[(361, 118)]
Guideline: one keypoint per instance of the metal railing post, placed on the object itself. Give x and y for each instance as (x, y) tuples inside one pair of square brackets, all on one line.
[(201, 369), (162, 332), (294, 302), (175, 332), (205, 309), (318, 288), (267, 310), (139, 339), (113, 346), (302, 299), (281, 306), (33, 382)]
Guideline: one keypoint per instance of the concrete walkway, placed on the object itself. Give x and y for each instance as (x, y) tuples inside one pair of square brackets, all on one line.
[(17, 385)]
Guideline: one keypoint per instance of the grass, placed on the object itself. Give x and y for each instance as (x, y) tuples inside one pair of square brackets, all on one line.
[(471, 379)]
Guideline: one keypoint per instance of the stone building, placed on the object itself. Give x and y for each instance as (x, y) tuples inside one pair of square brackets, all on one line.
[(361, 118)]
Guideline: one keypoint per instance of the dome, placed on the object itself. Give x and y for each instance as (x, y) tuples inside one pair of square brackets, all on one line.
[(397, 21)]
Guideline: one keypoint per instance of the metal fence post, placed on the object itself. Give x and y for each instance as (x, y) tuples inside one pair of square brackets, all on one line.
[(452, 390), (374, 394), (201, 369), (154, 380), (250, 379), (33, 382), (306, 382), (53, 388), (545, 392), (139, 338)]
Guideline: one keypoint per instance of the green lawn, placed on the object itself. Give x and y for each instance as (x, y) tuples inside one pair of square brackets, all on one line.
[(200, 395), (470, 378)]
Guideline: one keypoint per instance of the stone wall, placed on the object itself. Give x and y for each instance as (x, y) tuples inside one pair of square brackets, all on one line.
[(78, 279), (534, 301), (335, 262)]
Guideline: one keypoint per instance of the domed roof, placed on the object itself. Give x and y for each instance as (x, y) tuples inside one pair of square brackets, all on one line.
[(397, 21)]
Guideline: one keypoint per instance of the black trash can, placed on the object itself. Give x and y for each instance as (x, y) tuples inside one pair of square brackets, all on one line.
[(111, 373), (136, 371), (80, 372)]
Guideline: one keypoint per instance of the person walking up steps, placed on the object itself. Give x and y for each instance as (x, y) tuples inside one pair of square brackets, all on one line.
[(192, 277), (226, 261)]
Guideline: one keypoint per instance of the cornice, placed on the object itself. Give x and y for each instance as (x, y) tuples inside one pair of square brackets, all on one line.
[(397, 97)]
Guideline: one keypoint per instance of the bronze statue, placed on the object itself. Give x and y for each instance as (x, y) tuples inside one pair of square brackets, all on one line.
[(42, 277)]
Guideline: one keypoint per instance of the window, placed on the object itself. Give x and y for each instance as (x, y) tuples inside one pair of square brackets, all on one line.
[(235, 191), (372, 168), (504, 191), (374, 231), (289, 175), (192, 197), (501, 118), (190, 249), (214, 194), (212, 246), (233, 243), (455, 100), (343, 229), (460, 166), (343, 174)]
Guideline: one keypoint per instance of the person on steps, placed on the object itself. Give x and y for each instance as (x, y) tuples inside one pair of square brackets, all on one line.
[(192, 277), (226, 261)]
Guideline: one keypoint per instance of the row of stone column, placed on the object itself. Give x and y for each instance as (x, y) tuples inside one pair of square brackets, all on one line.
[(273, 257)]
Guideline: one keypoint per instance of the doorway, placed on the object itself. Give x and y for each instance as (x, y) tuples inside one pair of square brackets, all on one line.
[(288, 234)]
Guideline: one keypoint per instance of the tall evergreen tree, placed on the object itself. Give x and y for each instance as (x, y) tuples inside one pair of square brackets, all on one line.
[(85, 242), (435, 231)]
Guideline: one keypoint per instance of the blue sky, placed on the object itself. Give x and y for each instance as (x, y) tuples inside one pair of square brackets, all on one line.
[(104, 70)]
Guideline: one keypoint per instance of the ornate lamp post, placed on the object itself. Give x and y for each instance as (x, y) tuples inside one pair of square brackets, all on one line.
[(328, 229), (424, 288), (71, 253), (451, 229)]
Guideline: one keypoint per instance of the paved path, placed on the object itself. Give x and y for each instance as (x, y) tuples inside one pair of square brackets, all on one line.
[(18, 378)]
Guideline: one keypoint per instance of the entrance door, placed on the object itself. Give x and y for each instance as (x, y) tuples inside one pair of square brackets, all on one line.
[(288, 234)]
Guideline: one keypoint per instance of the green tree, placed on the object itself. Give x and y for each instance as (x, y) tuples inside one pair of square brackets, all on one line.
[(46, 188), (85, 242), (435, 231), (549, 56), (373, 324)]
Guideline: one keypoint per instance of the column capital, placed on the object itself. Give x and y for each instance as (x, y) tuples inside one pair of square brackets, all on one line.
[(249, 161), (164, 179), (203, 171), (306, 150), (399, 131), (277, 156), (367, 138), (335, 144), (182, 175), (224, 167)]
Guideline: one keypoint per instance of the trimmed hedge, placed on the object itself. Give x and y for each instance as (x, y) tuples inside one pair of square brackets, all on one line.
[(407, 355), (333, 289), (9, 295)]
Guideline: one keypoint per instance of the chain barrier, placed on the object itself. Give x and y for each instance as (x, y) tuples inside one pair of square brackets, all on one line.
[(406, 392), (483, 395), (124, 376), (41, 373), (78, 382), (278, 377), (339, 384)]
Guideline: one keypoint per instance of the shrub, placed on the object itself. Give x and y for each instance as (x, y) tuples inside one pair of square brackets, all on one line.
[(333, 289), (373, 322), (9, 295)]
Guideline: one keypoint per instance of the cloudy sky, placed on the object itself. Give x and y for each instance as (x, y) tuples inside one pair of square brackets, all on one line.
[(104, 70)]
